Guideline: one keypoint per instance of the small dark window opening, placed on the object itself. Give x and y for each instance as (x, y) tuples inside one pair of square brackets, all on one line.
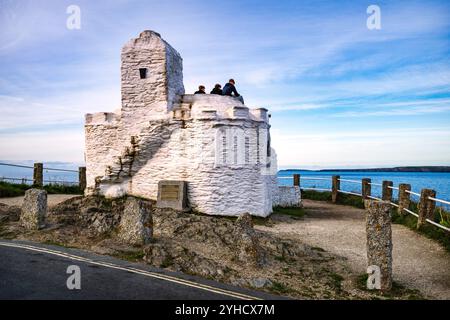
[(143, 73)]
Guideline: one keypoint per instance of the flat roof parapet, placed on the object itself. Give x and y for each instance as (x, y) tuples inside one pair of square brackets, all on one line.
[(260, 114), (100, 118)]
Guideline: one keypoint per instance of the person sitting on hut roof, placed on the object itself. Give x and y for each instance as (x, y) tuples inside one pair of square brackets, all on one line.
[(217, 90), (230, 90), (201, 90)]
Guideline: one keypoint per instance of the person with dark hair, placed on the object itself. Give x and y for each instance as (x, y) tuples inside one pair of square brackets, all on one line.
[(217, 90), (230, 90), (201, 90)]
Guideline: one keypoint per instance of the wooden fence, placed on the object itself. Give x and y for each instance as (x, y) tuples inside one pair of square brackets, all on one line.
[(426, 204), (38, 175)]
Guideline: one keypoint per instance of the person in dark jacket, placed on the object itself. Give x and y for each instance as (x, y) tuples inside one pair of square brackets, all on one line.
[(230, 90), (201, 90), (217, 90)]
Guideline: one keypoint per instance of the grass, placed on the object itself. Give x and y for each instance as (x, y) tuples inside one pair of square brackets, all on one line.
[(132, 256), (336, 281), (12, 190), (15, 190), (58, 244), (292, 211), (279, 287), (397, 291), (430, 231), (344, 199)]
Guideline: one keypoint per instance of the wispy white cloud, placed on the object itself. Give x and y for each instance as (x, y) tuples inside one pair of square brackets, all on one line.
[(414, 146)]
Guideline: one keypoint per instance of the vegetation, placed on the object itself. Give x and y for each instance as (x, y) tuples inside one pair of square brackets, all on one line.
[(292, 211), (336, 281), (279, 287), (132, 256), (397, 290), (14, 190), (344, 199)]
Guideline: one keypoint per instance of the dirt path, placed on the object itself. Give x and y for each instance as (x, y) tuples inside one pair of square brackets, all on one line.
[(53, 199), (418, 262)]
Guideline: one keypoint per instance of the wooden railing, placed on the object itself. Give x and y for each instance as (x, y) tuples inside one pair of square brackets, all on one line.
[(426, 204)]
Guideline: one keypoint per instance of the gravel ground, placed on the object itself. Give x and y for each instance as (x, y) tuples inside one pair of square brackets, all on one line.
[(418, 262), (53, 199)]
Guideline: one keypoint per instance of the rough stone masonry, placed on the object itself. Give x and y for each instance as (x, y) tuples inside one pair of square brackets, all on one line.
[(216, 144)]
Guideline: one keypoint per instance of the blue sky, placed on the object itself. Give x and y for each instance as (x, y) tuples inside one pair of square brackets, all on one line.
[(340, 95)]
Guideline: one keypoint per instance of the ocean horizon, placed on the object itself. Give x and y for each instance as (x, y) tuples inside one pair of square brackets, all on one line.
[(438, 181)]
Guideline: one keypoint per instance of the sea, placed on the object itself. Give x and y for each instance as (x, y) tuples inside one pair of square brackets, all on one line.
[(418, 180)]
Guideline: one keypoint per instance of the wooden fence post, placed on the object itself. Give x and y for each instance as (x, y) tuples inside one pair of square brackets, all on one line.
[(387, 192), (38, 174), (366, 188), (379, 245), (404, 198), (296, 180), (335, 187), (426, 207), (82, 178)]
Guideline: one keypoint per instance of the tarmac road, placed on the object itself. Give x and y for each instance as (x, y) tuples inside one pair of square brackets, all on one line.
[(36, 271)]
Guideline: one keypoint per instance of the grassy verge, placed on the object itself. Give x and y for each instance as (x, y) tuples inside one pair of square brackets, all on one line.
[(344, 199), (428, 230), (292, 211), (397, 291), (14, 190), (133, 256), (409, 221)]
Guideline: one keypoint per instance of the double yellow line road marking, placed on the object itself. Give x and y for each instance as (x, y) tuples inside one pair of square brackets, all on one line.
[(224, 292)]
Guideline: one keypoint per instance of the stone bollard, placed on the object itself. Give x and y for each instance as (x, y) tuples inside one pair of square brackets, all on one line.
[(404, 198), (335, 187), (426, 207), (248, 248), (379, 244), (387, 191), (34, 209), (136, 224), (38, 174)]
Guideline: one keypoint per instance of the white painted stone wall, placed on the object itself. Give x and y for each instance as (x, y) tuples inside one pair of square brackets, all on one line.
[(287, 196), (215, 143)]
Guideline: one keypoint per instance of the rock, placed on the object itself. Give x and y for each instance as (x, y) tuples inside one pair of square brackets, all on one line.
[(245, 222), (34, 209), (248, 249), (100, 215), (260, 283), (136, 225), (156, 255), (9, 213)]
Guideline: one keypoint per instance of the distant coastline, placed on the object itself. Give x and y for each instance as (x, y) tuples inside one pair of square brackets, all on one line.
[(395, 169)]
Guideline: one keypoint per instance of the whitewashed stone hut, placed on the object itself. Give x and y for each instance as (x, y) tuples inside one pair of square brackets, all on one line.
[(220, 147)]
